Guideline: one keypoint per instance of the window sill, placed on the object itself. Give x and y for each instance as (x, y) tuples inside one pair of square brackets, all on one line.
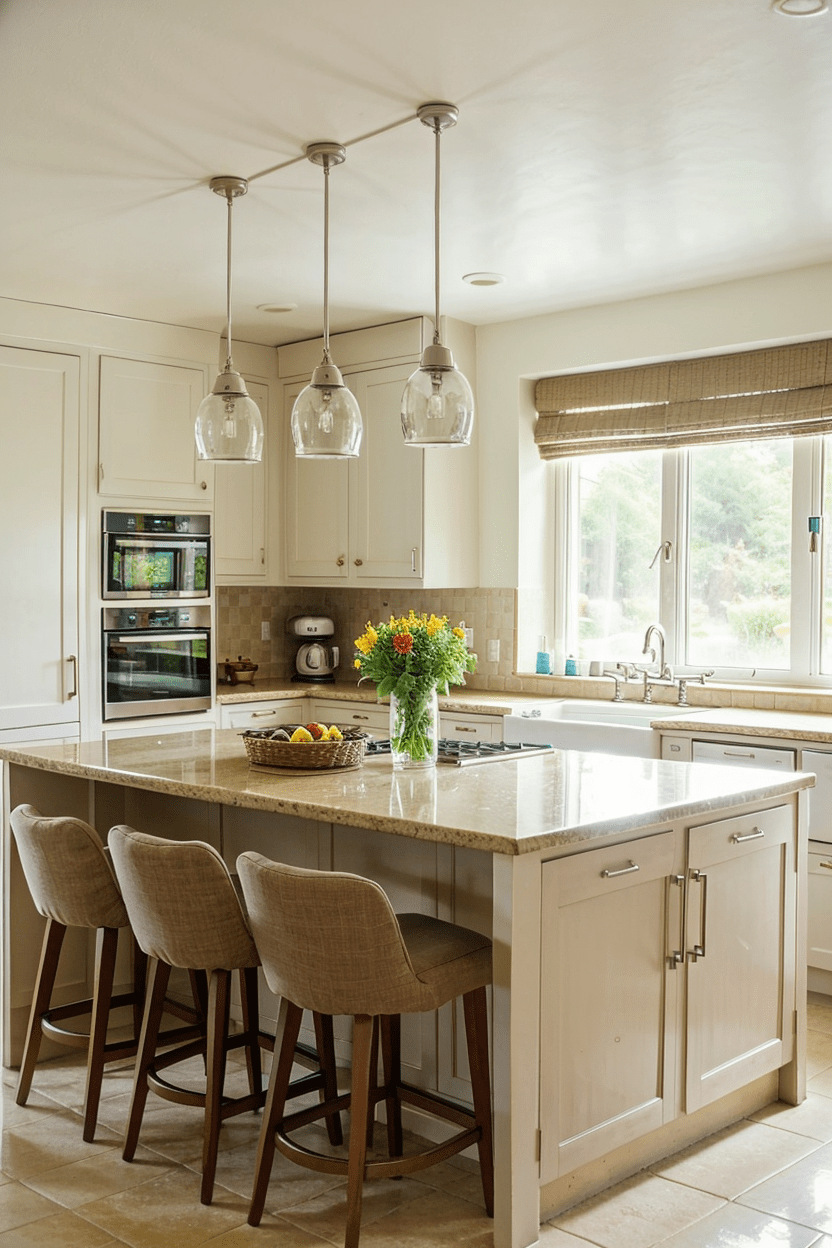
[(810, 699)]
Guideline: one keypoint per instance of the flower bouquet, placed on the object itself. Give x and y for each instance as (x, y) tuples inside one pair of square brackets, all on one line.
[(411, 659)]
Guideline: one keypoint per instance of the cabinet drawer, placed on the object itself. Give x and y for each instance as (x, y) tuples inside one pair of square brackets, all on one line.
[(744, 754), (729, 838), (264, 715), (470, 727), (613, 867), (363, 714)]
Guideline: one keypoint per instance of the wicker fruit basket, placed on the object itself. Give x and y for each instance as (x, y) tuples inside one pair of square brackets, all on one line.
[(303, 755)]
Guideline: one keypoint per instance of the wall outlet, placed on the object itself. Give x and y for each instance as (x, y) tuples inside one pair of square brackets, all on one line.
[(492, 651), (265, 631), (469, 637)]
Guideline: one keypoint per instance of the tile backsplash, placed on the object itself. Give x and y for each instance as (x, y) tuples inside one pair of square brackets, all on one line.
[(241, 610)]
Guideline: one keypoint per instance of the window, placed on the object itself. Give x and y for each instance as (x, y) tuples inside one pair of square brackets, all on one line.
[(713, 542)]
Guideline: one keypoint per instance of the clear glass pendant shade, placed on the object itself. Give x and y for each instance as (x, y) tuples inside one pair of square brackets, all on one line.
[(437, 408), (228, 423), (326, 422)]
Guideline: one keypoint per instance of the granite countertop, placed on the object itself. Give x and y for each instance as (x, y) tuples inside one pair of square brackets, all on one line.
[(474, 701), (558, 801), (748, 722)]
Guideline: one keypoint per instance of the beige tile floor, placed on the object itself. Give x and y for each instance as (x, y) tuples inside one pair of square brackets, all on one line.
[(765, 1181)]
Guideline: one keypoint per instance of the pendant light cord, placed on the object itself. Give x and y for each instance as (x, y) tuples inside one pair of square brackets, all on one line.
[(436, 214), (228, 363), (327, 357)]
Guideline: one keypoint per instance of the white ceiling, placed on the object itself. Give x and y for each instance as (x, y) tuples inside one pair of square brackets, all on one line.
[(605, 149)]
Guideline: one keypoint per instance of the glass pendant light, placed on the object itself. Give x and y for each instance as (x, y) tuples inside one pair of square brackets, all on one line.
[(228, 422), (326, 418), (437, 404)]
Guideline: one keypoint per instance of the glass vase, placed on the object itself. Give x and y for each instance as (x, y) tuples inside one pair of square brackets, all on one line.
[(414, 729)]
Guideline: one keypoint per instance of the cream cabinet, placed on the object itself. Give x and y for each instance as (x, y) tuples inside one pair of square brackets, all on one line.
[(370, 715), (470, 727), (667, 979), (269, 714), (146, 431), (240, 537), (396, 515), (39, 553)]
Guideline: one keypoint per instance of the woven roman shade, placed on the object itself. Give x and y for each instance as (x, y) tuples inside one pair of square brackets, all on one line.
[(775, 392)]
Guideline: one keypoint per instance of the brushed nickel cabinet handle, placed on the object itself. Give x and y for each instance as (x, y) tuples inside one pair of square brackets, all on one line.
[(828, 865), (262, 714), (738, 838), (73, 693), (700, 878), (610, 875), (677, 956)]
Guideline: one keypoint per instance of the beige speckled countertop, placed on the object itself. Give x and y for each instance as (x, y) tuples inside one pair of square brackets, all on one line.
[(475, 701), (743, 721), (556, 801)]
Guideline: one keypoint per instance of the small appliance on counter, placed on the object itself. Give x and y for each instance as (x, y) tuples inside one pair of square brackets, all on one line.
[(315, 661), (241, 672)]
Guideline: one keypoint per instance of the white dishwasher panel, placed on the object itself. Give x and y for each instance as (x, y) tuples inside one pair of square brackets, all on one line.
[(820, 797), (744, 754)]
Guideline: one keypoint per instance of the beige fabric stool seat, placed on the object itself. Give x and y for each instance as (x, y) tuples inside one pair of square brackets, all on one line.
[(185, 913), (331, 942), (72, 885)]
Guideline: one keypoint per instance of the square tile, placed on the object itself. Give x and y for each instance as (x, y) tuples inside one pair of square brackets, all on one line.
[(813, 1117), (735, 1159), (803, 1193), (637, 1213), (736, 1227)]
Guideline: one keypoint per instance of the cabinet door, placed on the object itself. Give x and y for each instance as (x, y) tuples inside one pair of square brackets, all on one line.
[(316, 510), (39, 397), (741, 966), (819, 888), (240, 510), (611, 965), (146, 431), (386, 509)]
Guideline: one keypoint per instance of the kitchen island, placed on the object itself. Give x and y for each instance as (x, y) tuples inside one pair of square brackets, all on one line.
[(647, 920)]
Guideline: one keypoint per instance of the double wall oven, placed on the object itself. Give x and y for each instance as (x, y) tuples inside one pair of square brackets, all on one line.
[(156, 656)]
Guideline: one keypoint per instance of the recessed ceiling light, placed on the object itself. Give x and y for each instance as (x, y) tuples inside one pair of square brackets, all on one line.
[(483, 279), (800, 8), (277, 307)]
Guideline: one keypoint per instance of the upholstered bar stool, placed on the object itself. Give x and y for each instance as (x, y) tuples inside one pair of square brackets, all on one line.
[(185, 913), (331, 942), (72, 885)]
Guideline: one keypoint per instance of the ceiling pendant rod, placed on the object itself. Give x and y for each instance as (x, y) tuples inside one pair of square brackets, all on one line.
[(437, 200), (327, 356)]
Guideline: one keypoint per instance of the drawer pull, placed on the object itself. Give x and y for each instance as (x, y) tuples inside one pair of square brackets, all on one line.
[(738, 753), (464, 728), (828, 865), (609, 875), (361, 716), (738, 837), (262, 714)]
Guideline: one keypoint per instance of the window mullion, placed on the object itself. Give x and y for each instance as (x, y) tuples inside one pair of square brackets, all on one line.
[(807, 588), (673, 581)]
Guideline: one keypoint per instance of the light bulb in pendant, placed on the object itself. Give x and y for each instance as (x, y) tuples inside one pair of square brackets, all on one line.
[(436, 408), (325, 420)]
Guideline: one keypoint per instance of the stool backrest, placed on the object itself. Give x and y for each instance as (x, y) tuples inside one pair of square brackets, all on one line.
[(328, 941), (67, 870), (181, 901)]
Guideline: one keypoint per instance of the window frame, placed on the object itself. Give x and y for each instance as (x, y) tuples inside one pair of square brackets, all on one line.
[(810, 456)]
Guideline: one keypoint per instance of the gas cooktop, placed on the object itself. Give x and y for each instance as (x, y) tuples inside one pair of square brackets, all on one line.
[(465, 753)]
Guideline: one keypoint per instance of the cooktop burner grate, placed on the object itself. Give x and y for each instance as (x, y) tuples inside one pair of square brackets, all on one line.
[(464, 753)]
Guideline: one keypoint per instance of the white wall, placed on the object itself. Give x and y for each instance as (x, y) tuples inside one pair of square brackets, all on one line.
[(780, 307)]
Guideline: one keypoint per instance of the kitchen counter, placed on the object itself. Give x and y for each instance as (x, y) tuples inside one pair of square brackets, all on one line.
[(790, 725), (515, 806), (490, 846), (474, 701)]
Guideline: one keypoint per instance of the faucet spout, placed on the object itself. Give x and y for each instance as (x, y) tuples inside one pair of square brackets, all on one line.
[(665, 672)]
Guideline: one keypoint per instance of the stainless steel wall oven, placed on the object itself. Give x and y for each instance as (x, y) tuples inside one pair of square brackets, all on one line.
[(155, 661)]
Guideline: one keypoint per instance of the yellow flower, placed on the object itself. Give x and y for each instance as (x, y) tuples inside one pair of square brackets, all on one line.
[(458, 632), (357, 663), (366, 642)]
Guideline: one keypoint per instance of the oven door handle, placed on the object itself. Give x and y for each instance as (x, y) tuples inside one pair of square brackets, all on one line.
[(167, 635), (160, 541)]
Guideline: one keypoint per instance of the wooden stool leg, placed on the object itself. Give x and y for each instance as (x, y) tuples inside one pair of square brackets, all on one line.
[(219, 999), (373, 1084), (53, 939), (475, 1005), (286, 1037), (250, 1003), (325, 1043), (362, 1045), (106, 943), (391, 1051), (139, 962), (157, 985)]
